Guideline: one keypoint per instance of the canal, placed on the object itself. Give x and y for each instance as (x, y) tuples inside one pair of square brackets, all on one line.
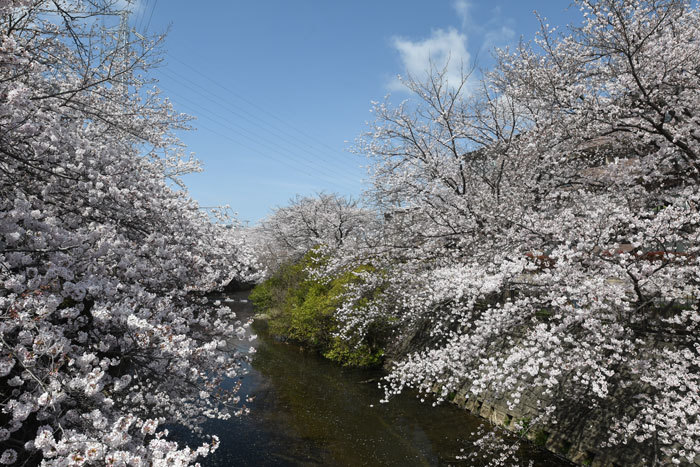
[(306, 410)]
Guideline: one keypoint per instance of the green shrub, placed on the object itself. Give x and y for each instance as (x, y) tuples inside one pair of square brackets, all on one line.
[(262, 295), (541, 438), (345, 353), (305, 311)]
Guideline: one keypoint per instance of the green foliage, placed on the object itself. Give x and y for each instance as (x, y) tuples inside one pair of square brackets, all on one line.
[(541, 438), (345, 353), (302, 308), (525, 424), (262, 295), (543, 314)]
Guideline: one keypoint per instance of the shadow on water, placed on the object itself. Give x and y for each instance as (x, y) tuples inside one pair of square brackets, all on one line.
[(308, 411)]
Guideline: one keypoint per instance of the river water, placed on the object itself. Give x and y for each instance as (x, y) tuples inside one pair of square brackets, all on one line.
[(308, 411)]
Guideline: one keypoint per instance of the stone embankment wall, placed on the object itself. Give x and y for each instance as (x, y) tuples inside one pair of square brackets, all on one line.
[(579, 442), (578, 436)]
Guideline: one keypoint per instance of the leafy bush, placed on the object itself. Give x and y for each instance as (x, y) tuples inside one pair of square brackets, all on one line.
[(302, 309)]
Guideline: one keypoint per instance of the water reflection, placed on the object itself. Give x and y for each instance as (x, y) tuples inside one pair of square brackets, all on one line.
[(308, 411)]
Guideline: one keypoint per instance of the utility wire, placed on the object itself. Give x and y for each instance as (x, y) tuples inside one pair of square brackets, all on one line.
[(142, 5), (248, 116), (252, 104), (335, 177), (257, 139), (255, 151), (150, 17), (263, 139)]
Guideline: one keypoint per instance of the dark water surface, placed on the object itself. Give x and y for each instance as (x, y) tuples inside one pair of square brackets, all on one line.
[(308, 411)]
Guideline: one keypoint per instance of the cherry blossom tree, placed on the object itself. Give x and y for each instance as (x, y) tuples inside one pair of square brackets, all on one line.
[(105, 329), (543, 231), (326, 221)]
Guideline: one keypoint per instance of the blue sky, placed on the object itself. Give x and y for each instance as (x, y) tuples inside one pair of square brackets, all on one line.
[(281, 89)]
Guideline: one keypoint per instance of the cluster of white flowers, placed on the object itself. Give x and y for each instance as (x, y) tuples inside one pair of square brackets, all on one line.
[(543, 234), (493, 449), (105, 331), (325, 221)]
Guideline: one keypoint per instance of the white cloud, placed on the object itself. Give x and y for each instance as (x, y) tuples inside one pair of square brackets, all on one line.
[(449, 47), (462, 8), (498, 37), (444, 48), (497, 31)]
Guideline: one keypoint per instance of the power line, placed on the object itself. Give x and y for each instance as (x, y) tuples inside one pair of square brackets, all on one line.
[(139, 15), (259, 138), (256, 139), (245, 115), (252, 104), (253, 150), (150, 17)]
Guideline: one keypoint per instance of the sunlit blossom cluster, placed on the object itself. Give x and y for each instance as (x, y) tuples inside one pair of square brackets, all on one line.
[(324, 221), (542, 234), (106, 333)]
